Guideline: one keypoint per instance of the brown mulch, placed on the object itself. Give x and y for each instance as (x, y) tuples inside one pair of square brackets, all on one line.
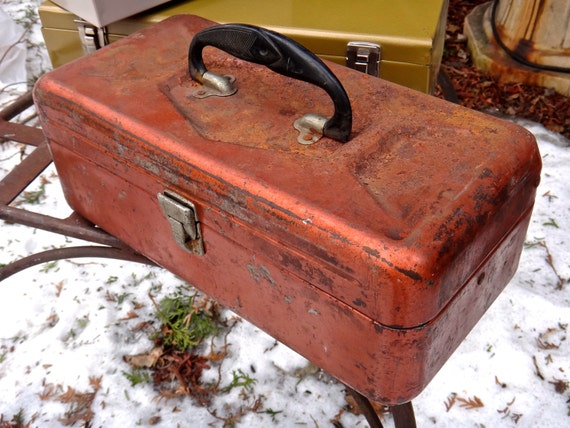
[(478, 90)]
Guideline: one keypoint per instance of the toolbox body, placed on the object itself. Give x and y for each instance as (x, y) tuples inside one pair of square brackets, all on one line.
[(410, 32), (373, 258)]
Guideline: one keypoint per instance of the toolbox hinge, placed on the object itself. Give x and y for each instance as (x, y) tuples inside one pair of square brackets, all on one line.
[(183, 219), (91, 36), (364, 57)]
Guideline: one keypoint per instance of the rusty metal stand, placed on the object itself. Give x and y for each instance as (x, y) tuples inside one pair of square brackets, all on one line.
[(76, 226), (20, 178), (403, 414)]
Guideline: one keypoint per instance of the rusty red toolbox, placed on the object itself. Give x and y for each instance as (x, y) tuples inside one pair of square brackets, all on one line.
[(373, 258)]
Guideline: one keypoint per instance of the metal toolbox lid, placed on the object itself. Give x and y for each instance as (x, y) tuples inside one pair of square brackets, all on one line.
[(409, 31)]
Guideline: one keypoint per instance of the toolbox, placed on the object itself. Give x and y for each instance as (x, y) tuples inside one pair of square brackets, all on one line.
[(104, 12), (401, 41), (366, 225)]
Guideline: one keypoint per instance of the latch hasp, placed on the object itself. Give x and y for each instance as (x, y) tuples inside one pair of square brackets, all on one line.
[(182, 216)]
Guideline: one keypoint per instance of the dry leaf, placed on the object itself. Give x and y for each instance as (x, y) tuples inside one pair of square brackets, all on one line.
[(130, 316), (48, 392), (109, 297), (355, 409), (470, 403), (144, 360), (450, 401), (153, 420), (58, 287), (95, 382)]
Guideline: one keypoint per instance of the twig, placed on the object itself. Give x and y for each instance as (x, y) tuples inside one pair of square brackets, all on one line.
[(538, 372), (549, 260)]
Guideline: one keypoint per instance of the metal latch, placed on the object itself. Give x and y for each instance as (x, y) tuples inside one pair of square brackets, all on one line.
[(91, 36), (181, 214), (364, 57)]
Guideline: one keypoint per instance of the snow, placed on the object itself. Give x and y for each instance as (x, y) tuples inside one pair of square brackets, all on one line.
[(60, 329)]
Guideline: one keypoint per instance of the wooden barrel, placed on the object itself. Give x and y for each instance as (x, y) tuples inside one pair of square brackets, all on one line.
[(534, 31)]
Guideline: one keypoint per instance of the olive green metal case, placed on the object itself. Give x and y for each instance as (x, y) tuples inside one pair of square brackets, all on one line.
[(400, 41)]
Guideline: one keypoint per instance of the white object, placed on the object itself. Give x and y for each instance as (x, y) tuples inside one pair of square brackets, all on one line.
[(103, 12), (12, 52)]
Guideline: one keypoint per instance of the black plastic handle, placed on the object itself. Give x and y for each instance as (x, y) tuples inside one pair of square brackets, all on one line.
[(283, 56)]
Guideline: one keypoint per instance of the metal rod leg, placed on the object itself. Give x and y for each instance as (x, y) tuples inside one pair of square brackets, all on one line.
[(404, 415), (366, 408), (69, 253)]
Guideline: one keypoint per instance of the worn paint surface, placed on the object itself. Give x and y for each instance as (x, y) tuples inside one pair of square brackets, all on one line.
[(373, 259)]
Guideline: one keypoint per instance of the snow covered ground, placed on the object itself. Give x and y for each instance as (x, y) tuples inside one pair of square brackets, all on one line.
[(66, 326)]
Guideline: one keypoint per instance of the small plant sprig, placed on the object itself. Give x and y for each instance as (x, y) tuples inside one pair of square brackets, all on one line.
[(233, 417), (510, 414), (185, 323), (551, 222), (136, 377), (34, 197), (550, 196), (240, 379), (49, 266), (272, 413), (18, 421), (549, 259)]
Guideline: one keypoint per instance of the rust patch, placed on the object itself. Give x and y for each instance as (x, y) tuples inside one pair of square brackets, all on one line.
[(311, 272), (409, 273), (378, 328), (259, 273), (359, 303), (371, 251)]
